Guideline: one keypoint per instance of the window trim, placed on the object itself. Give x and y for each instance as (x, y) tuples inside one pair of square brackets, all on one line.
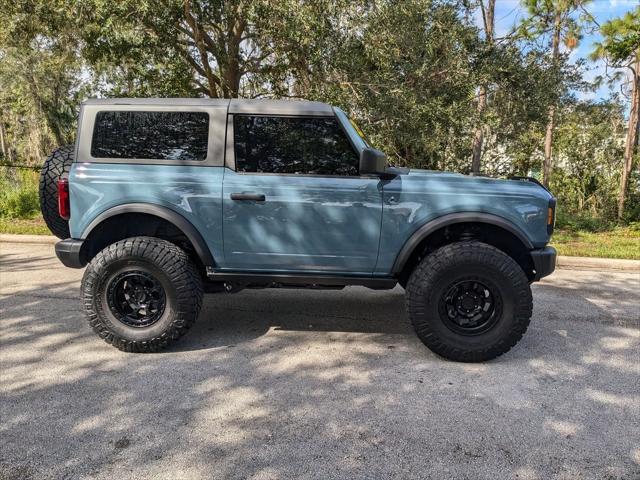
[(230, 156), (215, 137)]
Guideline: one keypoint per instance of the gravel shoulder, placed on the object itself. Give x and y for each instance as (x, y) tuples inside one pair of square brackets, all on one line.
[(316, 384)]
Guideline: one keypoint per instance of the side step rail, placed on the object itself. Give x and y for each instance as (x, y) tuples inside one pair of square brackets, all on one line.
[(317, 281)]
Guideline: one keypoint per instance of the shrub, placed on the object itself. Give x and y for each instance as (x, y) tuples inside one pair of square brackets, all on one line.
[(578, 222), (19, 194)]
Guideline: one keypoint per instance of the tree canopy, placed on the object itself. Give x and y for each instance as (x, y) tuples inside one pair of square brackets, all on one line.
[(428, 84)]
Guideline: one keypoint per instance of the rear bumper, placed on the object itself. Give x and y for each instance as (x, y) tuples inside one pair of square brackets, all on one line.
[(69, 253), (544, 262)]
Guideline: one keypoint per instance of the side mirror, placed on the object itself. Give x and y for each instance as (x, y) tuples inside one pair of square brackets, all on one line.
[(372, 161)]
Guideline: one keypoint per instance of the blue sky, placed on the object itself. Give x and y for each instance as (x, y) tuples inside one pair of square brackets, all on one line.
[(510, 12)]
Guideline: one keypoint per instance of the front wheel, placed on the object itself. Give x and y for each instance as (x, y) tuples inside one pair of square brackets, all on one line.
[(142, 293), (469, 302)]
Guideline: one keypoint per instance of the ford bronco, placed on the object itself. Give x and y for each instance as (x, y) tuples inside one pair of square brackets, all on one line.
[(166, 199)]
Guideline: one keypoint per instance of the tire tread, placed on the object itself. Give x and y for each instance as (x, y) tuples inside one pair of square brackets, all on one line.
[(56, 166)]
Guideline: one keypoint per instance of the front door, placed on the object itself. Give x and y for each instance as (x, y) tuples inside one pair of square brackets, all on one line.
[(295, 202)]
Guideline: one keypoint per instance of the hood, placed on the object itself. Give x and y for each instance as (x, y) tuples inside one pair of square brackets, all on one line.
[(524, 185)]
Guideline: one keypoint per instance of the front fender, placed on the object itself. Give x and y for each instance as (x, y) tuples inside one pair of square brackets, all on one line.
[(464, 217)]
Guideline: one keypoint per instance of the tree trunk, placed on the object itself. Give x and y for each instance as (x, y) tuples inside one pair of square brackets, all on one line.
[(198, 36), (232, 72), (488, 15), (548, 144), (223, 43), (631, 141), (3, 143), (548, 138), (478, 136)]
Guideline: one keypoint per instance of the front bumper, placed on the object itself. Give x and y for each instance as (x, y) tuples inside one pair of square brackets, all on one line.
[(544, 262), (69, 252)]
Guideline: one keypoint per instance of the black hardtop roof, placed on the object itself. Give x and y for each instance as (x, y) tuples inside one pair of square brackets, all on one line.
[(235, 105)]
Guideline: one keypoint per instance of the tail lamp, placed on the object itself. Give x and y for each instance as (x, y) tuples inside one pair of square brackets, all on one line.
[(64, 206), (551, 216)]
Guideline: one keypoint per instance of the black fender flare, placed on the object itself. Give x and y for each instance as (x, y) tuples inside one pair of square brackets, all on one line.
[(450, 219), (184, 225)]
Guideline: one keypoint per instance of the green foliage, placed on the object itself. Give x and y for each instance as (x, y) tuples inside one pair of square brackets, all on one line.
[(546, 15), (589, 147), (621, 39), (632, 210), (409, 72), (523, 87), (134, 49), (40, 71), (19, 195), (576, 222), (407, 76), (182, 47)]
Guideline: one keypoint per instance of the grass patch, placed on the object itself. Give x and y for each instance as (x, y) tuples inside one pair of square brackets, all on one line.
[(616, 243), (22, 226)]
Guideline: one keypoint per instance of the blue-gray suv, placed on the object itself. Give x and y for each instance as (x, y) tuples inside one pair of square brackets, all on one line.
[(166, 199)]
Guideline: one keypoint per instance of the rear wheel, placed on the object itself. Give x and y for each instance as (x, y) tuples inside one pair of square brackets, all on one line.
[(469, 301), (141, 294), (56, 166)]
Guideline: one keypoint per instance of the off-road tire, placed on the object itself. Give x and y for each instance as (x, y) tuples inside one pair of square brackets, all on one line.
[(169, 265), (56, 166), (457, 262)]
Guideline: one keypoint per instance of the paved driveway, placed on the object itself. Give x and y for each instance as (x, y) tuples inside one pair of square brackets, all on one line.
[(316, 384)]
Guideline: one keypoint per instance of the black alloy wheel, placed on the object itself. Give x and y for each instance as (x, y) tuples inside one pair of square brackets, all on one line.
[(136, 298), (470, 307)]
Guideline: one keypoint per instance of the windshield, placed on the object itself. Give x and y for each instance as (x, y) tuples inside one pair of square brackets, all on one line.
[(354, 132)]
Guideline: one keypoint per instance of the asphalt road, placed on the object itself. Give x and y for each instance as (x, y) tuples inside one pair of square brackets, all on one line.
[(316, 384)]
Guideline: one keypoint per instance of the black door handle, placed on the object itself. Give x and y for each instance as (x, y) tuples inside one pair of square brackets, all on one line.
[(256, 197)]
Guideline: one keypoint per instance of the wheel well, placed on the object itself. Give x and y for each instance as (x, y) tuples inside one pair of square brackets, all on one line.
[(126, 225), (459, 232)]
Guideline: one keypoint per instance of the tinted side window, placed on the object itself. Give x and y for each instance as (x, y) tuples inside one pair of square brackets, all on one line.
[(292, 145), (151, 135)]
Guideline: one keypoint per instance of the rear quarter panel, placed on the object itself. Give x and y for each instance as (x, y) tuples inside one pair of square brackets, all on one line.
[(193, 192)]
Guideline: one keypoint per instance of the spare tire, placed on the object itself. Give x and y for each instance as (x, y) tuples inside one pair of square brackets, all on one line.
[(56, 166)]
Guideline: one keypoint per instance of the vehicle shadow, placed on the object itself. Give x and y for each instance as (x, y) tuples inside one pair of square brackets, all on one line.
[(250, 313)]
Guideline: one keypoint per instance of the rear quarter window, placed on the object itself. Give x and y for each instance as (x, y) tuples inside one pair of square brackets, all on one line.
[(151, 135)]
